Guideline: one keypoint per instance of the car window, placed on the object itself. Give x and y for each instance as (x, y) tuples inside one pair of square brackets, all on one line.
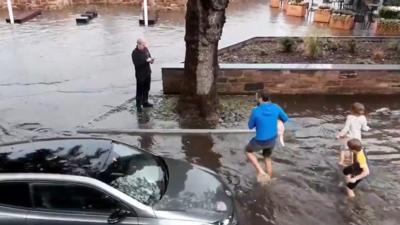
[(15, 194), (72, 197), (138, 174)]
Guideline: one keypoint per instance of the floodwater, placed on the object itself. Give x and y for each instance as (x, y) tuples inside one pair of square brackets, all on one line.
[(56, 76)]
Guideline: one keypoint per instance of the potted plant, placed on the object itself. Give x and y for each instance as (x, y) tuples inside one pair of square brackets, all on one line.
[(323, 14), (297, 8), (389, 21), (342, 19), (275, 3)]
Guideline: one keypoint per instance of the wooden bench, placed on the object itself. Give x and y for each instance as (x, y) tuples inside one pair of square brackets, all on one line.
[(86, 17), (23, 16)]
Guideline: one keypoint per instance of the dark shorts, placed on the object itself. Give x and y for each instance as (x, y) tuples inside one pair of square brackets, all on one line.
[(349, 170), (265, 146)]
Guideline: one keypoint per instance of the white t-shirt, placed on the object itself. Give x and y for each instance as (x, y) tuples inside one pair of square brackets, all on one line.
[(354, 125)]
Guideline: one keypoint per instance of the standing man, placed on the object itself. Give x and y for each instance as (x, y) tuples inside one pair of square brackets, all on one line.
[(142, 59), (265, 119)]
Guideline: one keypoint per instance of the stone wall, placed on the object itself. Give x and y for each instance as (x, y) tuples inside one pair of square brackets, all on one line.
[(296, 79), (58, 4)]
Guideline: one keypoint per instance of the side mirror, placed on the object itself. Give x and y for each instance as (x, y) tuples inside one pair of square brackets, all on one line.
[(117, 216)]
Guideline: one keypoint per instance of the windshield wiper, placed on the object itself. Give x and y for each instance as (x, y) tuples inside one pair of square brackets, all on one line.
[(166, 176)]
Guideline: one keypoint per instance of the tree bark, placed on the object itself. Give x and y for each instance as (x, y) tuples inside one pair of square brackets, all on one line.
[(198, 100)]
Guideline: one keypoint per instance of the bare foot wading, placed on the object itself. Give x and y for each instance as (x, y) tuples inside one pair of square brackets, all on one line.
[(263, 178)]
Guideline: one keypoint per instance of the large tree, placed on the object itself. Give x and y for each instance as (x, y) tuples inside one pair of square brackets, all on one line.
[(204, 22)]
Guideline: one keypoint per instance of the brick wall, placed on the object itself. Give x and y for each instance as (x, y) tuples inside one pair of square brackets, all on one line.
[(297, 79), (58, 4)]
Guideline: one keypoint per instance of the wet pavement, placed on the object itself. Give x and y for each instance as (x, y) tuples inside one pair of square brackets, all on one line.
[(57, 76)]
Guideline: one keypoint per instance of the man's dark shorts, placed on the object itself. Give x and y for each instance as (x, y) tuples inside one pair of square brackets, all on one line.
[(349, 170), (265, 146)]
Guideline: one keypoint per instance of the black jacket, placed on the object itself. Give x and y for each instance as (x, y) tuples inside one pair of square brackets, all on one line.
[(142, 67)]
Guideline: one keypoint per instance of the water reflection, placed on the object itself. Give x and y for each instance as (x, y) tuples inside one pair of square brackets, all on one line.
[(80, 158), (146, 141), (199, 149)]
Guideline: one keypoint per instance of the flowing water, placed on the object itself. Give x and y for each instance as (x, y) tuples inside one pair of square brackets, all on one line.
[(56, 76)]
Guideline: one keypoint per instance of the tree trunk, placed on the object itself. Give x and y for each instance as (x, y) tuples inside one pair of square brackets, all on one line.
[(198, 100)]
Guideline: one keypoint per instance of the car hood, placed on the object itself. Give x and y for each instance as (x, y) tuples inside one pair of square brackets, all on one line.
[(193, 193)]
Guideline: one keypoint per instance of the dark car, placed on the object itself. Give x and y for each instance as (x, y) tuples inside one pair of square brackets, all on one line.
[(99, 181)]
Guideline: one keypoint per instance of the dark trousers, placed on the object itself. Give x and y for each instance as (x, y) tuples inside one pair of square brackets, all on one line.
[(142, 90)]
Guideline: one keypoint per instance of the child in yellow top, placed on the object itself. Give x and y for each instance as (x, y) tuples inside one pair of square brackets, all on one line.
[(358, 169)]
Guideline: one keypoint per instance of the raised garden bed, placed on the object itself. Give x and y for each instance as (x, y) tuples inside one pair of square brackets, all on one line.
[(343, 20), (389, 22), (388, 27), (322, 15), (335, 50), (297, 9), (311, 65)]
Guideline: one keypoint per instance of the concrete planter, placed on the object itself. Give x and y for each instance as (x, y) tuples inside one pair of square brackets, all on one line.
[(335, 79), (388, 27), (322, 15), (301, 78), (296, 10), (344, 22), (275, 3)]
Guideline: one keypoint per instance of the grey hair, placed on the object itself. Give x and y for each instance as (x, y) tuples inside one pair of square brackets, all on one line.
[(140, 41)]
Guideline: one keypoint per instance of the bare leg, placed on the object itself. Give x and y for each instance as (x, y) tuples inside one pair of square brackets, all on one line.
[(350, 193), (341, 158), (268, 166), (253, 159)]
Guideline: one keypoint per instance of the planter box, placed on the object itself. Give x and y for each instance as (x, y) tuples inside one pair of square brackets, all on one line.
[(275, 3), (382, 29), (290, 79), (342, 24), (296, 10), (322, 15)]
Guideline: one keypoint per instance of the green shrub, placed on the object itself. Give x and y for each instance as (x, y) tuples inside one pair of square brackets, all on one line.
[(344, 12), (352, 44), (390, 12), (324, 6), (331, 45), (312, 46), (393, 2), (287, 44)]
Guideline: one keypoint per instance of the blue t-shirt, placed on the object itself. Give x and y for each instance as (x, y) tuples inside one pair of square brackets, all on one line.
[(265, 119)]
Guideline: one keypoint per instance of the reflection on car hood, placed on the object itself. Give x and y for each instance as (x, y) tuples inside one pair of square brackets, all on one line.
[(193, 193)]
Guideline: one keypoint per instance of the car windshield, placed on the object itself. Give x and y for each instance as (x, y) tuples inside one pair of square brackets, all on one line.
[(138, 174)]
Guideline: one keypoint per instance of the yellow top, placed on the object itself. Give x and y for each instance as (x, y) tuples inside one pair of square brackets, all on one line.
[(361, 159)]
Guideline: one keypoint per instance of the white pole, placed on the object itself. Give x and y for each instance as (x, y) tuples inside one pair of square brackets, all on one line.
[(145, 15), (10, 11)]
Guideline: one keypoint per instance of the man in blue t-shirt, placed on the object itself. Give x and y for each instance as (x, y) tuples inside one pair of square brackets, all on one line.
[(265, 119)]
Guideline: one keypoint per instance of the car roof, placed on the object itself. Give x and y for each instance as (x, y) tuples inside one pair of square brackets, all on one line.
[(70, 156)]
